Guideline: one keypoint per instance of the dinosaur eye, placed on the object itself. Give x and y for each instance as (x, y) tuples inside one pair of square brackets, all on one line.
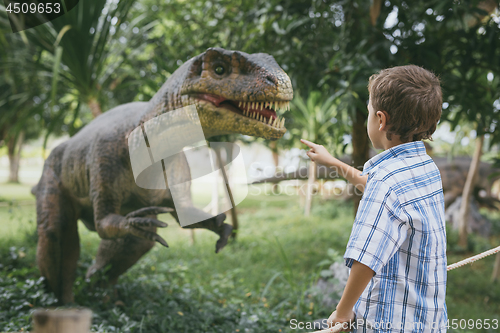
[(219, 70)]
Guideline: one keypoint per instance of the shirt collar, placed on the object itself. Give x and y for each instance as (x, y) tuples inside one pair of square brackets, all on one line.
[(404, 150)]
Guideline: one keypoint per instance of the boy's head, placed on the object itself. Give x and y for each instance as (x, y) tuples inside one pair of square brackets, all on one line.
[(407, 100)]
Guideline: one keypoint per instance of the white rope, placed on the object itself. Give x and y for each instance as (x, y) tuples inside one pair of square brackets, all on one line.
[(474, 258), (338, 328)]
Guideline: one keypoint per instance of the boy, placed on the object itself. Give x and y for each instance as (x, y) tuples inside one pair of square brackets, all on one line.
[(397, 248)]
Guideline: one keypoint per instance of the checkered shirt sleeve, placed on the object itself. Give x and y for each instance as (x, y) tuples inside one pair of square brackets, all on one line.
[(378, 231)]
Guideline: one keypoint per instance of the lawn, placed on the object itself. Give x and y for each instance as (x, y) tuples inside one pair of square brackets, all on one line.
[(256, 284)]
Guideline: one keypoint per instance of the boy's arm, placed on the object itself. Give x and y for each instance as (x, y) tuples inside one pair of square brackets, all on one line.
[(358, 279), (320, 155)]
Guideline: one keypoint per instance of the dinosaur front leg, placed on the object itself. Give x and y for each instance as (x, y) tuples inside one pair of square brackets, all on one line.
[(125, 239), (212, 223), (136, 224), (178, 172)]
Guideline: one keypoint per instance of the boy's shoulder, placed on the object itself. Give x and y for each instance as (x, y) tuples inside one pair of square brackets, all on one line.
[(405, 174)]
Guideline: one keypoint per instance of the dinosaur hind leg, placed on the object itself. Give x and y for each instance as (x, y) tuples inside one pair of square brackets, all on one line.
[(58, 246), (120, 254)]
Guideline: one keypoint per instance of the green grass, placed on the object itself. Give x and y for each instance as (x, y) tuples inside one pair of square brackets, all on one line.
[(10, 192), (256, 284)]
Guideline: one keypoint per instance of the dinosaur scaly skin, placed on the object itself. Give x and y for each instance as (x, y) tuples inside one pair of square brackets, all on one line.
[(89, 177)]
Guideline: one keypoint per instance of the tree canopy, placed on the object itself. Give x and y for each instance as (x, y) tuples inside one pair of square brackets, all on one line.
[(115, 52)]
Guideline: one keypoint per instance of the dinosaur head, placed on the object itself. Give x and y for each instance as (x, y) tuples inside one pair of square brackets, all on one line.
[(234, 92)]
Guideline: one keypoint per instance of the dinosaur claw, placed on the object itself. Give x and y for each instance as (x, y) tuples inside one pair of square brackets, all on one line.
[(161, 241), (146, 222), (141, 233), (149, 211)]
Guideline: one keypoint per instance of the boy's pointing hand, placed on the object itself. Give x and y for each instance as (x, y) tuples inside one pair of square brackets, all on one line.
[(318, 153), (346, 321)]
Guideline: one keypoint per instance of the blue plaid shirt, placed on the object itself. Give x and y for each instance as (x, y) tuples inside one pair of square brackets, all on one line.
[(399, 232)]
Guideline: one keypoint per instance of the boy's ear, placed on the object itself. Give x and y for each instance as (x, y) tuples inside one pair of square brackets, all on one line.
[(383, 119)]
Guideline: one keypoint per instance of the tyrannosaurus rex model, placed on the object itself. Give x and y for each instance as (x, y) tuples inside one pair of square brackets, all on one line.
[(89, 177)]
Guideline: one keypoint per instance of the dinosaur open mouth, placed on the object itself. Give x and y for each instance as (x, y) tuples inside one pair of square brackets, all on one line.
[(263, 111)]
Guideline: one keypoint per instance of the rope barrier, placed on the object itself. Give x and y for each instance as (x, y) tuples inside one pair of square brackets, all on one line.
[(338, 328), (472, 259)]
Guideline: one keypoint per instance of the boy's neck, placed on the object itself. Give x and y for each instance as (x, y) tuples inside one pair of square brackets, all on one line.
[(395, 141)]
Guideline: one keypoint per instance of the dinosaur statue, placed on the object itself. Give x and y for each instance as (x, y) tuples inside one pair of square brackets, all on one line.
[(89, 177)]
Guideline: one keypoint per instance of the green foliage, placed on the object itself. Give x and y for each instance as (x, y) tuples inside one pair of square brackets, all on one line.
[(444, 36), (316, 119), (17, 65)]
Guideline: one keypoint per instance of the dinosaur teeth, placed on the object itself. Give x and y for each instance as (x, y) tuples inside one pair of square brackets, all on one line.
[(239, 104), (261, 105), (282, 122)]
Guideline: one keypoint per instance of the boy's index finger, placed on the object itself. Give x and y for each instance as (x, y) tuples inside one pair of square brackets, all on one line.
[(308, 143)]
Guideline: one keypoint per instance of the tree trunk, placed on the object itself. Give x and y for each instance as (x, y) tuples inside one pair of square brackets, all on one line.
[(14, 149), (463, 217), (375, 11), (360, 149), (95, 107), (496, 269), (310, 184)]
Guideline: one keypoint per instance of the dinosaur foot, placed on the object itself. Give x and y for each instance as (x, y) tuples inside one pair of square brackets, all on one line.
[(224, 233)]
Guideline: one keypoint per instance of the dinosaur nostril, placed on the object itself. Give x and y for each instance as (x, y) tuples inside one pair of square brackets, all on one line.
[(272, 79)]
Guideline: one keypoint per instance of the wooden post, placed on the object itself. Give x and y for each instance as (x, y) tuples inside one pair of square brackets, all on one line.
[(496, 269), (234, 214), (62, 321), (464, 215), (310, 187)]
